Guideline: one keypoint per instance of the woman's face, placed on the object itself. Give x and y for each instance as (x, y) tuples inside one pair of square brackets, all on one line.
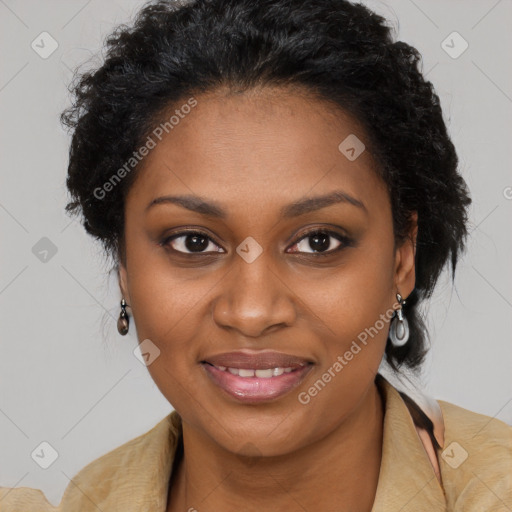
[(258, 172)]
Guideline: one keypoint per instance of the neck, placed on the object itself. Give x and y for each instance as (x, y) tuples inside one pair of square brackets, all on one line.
[(342, 467)]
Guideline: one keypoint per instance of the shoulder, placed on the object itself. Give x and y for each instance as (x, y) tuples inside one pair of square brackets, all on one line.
[(483, 435), (101, 481), (135, 450), (122, 478), (476, 460), (24, 499)]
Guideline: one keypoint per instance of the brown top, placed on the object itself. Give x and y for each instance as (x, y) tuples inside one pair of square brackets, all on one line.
[(475, 468)]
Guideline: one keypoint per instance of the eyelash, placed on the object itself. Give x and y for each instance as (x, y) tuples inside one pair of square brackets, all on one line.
[(345, 242)]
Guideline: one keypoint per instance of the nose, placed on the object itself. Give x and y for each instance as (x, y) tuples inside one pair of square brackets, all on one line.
[(254, 300)]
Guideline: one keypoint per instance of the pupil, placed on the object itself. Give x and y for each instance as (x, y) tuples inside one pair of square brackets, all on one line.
[(319, 242), (191, 243)]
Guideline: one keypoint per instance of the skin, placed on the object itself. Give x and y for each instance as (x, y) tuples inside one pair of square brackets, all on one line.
[(252, 154)]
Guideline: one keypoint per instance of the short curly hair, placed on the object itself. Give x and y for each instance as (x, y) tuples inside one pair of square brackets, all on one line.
[(338, 51)]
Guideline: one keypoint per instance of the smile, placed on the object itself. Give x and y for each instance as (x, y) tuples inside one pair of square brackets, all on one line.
[(255, 385), (260, 373)]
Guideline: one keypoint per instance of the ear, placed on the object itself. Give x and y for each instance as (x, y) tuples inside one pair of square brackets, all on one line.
[(405, 275), (123, 281)]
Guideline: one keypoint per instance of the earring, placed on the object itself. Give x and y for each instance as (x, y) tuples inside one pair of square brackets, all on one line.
[(123, 322), (399, 329)]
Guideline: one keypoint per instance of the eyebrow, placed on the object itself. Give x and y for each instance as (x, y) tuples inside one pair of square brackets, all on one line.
[(295, 209)]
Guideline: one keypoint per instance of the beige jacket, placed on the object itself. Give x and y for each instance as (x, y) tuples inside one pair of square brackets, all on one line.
[(475, 468)]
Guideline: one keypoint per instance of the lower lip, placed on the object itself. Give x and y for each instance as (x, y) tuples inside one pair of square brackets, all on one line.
[(255, 389)]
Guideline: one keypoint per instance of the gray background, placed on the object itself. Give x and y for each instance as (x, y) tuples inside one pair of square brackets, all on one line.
[(68, 378)]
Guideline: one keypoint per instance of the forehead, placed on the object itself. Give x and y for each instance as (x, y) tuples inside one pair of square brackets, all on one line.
[(260, 147)]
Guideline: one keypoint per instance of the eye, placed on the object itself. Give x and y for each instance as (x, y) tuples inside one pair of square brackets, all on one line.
[(321, 242), (192, 242)]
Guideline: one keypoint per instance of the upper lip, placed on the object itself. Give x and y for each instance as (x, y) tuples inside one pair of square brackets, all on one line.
[(257, 360)]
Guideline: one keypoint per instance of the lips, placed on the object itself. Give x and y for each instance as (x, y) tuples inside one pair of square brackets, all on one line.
[(255, 377), (256, 360)]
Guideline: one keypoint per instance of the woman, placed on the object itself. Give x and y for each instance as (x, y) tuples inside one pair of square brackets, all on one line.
[(276, 184)]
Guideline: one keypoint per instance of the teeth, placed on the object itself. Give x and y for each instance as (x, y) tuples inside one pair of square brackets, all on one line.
[(262, 374)]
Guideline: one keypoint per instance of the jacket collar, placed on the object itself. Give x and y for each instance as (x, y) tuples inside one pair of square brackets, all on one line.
[(407, 385), (407, 481)]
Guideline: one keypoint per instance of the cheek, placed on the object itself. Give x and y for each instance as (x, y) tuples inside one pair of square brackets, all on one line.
[(164, 308), (162, 296), (355, 306), (165, 314), (354, 296)]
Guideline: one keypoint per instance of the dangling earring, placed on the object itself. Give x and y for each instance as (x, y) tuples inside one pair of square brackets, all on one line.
[(123, 322), (399, 329)]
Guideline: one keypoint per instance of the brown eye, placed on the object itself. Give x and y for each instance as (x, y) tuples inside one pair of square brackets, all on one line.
[(192, 242), (321, 242)]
